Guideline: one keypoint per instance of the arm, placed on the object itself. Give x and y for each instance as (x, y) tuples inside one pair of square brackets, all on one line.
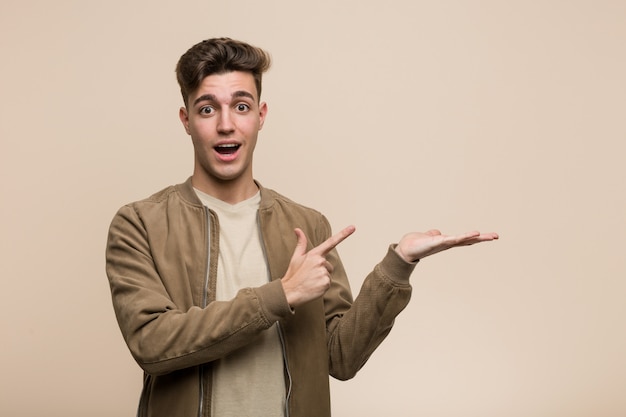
[(355, 333), (157, 303), (356, 329)]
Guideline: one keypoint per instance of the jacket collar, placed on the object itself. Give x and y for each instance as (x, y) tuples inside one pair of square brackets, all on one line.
[(188, 194)]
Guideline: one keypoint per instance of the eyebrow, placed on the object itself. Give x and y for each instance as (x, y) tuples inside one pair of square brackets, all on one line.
[(211, 97)]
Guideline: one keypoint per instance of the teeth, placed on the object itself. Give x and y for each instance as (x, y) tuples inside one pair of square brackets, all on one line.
[(228, 145)]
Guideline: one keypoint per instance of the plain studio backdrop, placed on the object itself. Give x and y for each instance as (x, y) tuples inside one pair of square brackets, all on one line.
[(506, 116)]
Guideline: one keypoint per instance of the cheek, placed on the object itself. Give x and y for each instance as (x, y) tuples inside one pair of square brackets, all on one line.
[(252, 127), (196, 139), (197, 133), (200, 145)]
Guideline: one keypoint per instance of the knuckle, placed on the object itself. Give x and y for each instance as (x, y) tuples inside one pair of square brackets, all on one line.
[(327, 283)]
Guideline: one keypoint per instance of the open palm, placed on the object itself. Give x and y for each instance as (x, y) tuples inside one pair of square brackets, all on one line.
[(417, 245)]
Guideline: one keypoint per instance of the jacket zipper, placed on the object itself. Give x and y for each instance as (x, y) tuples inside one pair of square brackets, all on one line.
[(278, 326), (142, 400), (204, 304), (282, 343)]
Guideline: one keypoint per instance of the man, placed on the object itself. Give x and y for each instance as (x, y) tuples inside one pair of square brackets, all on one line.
[(231, 297)]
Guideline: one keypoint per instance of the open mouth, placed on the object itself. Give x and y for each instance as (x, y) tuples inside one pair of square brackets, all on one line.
[(227, 149)]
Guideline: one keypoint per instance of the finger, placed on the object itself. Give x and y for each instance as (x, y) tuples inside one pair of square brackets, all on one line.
[(329, 267), (301, 244), (469, 235), (330, 243), (471, 238), (485, 237)]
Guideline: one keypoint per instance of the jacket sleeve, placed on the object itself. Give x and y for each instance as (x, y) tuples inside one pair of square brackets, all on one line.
[(356, 329), (163, 327)]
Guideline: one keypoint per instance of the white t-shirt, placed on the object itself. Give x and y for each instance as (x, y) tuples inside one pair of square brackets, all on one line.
[(249, 381)]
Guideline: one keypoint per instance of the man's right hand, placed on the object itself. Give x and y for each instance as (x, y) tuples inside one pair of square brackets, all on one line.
[(308, 274)]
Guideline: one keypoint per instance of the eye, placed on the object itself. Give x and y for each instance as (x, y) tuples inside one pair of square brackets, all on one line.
[(206, 110), (242, 107)]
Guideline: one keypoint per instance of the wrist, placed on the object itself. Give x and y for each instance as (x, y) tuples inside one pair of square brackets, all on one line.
[(290, 294), (403, 256)]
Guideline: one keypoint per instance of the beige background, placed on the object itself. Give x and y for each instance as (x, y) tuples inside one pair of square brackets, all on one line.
[(504, 116)]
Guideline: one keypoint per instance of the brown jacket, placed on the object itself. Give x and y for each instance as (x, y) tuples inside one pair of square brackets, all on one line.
[(156, 261)]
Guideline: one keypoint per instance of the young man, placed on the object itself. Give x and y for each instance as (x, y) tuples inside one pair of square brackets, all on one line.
[(231, 297)]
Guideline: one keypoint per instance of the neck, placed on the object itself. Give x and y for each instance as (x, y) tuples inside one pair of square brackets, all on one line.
[(231, 192)]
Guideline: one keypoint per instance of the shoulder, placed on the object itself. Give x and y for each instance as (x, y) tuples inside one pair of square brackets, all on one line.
[(160, 203), (182, 192), (157, 197), (271, 199), (283, 213)]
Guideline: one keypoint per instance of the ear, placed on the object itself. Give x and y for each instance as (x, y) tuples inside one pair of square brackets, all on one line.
[(184, 118), (262, 114)]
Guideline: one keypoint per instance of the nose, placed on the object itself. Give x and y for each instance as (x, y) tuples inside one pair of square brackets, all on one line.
[(225, 124)]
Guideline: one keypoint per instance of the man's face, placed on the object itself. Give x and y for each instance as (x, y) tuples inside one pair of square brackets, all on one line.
[(223, 117)]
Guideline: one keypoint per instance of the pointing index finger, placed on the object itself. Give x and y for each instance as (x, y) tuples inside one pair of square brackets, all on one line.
[(330, 243)]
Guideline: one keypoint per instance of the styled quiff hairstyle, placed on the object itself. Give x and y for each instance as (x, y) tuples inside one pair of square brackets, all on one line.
[(218, 56)]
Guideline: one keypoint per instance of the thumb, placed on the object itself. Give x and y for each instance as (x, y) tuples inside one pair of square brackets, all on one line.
[(301, 244)]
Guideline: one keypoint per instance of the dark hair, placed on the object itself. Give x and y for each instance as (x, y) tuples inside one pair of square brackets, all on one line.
[(217, 56)]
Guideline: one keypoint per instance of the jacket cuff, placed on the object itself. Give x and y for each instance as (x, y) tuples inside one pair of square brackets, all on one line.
[(273, 301), (396, 269)]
